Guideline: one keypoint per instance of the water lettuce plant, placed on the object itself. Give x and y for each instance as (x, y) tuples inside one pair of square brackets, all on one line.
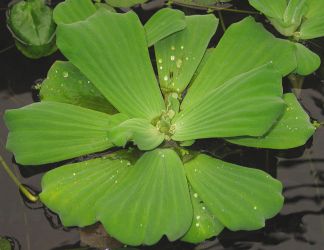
[(150, 183), (300, 20), (32, 27)]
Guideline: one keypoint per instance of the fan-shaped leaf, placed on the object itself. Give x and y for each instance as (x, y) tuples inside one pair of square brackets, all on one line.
[(140, 131), (274, 9), (50, 131), (72, 190), (240, 198), (239, 52), (71, 11), (164, 23), (312, 28), (248, 104), (114, 56), (292, 130), (307, 61), (65, 83), (204, 224), (179, 55), (152, 200)]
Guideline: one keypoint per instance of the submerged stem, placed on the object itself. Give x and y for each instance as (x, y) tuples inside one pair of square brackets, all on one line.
[(31, 197), (220, 15)]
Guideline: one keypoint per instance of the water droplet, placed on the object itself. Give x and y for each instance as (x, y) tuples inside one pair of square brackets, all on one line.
[(65, 74), (195, 195), (182, 47), (172, 47), (198, 217), (88, 81), (196, 170), (203, 208), (141, 225), (62, 85), (187, 58), (116, 181), (179, 63), (74, 174), (255, 207), (197, 224), (162, 155), (160, 60), (160, 67), (128, 163), (166, 78), (172, 58)]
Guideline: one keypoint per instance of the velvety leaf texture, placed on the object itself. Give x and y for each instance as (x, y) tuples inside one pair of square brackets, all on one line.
[(231, 58), (163, 23), (66, 84), (155, 202), (240, 198), (71, 11), (115, 59), (50, 131), (179, 55), (248, 104), (292, 130)]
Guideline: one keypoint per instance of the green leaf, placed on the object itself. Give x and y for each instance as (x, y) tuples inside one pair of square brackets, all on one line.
[(164, 23), (248, 104), (312, 28), (204, 224), (239, 52), (240, 198), (115, 59), (179, 55), (32, 27), (292, 130), (5, 244), (274, 9), (71, 11), (140, 131), (50, 131), (65, 83), (307, 60), (68, 192), (152, 200), (315, 8), (124, 3)]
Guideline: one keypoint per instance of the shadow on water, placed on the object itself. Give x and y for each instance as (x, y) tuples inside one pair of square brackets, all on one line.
[(300, 225)]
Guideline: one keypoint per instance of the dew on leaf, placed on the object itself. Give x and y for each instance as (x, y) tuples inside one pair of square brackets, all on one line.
[(172, 47), (166, 78), (182, 47), (172, 58), (195, 195), (160, 60), (197, 224), (65, 74)]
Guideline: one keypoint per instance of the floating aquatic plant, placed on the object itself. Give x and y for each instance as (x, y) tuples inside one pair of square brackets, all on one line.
[(32, 27), (300, 20), (107, 96)]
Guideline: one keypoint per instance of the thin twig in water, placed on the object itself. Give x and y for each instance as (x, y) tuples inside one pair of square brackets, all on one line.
[(8, 48), (220, 15)]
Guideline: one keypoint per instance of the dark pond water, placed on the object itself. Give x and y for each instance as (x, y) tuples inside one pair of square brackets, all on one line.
[(300, 224)]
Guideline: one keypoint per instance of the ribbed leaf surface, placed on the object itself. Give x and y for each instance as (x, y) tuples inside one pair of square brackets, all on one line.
[(164, 23), (71, 11), (246, 105), (315, 8), (151, 201), (241, 198), (204, 225), (274, 9), (179, 55), (239, 52), (114, 56), (140, 131), (292, 130), (312, 28), (72, 190), (65, 83), (294, 12), (307, 61), (50, 131)]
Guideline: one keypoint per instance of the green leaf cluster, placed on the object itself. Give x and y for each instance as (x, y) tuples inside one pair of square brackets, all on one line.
[(108, 97), (32, 27), (300, 20)]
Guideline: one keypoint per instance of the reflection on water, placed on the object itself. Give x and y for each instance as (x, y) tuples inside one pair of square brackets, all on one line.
[(300, 225)]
